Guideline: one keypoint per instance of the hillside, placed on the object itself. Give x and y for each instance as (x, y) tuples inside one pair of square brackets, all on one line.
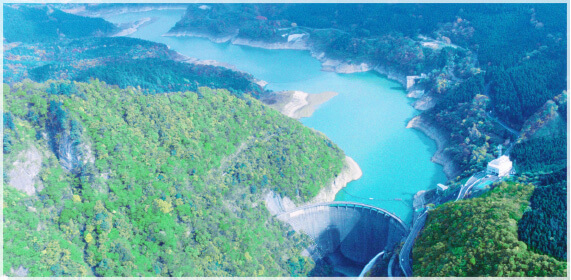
[(122, 160), (119, 61), (127, 184), (40, 23), (478, 62), (479, 237)]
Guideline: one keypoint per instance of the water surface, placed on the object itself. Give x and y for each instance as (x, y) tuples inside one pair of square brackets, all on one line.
[(367, 119)]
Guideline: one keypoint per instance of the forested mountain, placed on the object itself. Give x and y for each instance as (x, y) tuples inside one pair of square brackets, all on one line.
[(150, 174), (79, 54), (148, 166), (371, 33), (163, 185), (521, 52), (544, 228), (479, 237), (39, 23), (522, 57), (518, 50), (120, 61)]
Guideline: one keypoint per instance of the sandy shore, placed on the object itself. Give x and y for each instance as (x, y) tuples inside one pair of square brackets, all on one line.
[(298, 100), (450, 169), (297, 104)]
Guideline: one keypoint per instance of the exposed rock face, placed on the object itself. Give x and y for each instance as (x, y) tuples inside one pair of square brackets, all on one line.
[(391, 73), (214, 38), (298, 43), (297, 104), (410, 81), (276, 204), (440, 157), (65, 152), (425, 102), (351, 171), (339, 66), (294, 41), (25, 170), (20, 272)]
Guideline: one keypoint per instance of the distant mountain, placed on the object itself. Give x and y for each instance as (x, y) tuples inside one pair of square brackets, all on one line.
[(39, 23)]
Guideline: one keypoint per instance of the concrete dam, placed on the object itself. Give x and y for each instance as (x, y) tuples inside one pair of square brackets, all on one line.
[(347, 235)]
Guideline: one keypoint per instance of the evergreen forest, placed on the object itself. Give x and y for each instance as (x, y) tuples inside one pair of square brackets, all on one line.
[(479, 237)]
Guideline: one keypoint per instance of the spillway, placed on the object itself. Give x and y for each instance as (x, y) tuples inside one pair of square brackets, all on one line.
[(350, 234)]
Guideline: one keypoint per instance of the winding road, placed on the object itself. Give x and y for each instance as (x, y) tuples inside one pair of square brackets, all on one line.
[(405, 260), (406, 250), (476, 178)]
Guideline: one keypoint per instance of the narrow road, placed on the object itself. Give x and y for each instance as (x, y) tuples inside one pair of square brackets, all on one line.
[(406, 250), (476, 178), (405, 261), (498, 121)]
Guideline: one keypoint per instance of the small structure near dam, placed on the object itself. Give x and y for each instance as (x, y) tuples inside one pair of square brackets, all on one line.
[(347, 235)]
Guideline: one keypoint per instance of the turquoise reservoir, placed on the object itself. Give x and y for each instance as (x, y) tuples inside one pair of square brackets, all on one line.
[(367, 119)]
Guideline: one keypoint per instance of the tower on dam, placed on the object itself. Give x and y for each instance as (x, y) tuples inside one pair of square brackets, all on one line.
[(347, 234)]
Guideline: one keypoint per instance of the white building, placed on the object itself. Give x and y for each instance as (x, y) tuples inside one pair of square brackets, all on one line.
[(500, 167), (441, 187)]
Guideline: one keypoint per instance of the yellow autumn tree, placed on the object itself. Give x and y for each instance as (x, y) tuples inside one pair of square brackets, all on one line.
[(164, 206), (88, 238)]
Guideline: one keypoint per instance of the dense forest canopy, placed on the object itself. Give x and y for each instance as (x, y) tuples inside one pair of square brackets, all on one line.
[(150, 166), (479, 237), (544, 228), (39, 23), (169, 184), (162, 185), (121, 61)]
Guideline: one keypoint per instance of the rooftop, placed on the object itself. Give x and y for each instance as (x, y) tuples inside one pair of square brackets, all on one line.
[(503, 160)]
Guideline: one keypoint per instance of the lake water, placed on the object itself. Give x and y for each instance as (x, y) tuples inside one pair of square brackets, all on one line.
[(367, 119)]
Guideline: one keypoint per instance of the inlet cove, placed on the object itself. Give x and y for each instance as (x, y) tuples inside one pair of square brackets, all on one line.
[(285, 139), (367, 119)]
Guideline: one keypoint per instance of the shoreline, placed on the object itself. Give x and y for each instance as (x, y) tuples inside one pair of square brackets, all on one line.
[(423, 101), (215, 39), (302, 105), (82, 11), (434, 133), (298, 44), (297, 104), (192, 60), (133, 27), (350, 172)]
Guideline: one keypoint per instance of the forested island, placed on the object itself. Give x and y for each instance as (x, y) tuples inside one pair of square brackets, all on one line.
[(140, 164)]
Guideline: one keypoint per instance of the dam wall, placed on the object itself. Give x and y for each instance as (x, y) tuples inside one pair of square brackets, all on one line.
[(351, 231)]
